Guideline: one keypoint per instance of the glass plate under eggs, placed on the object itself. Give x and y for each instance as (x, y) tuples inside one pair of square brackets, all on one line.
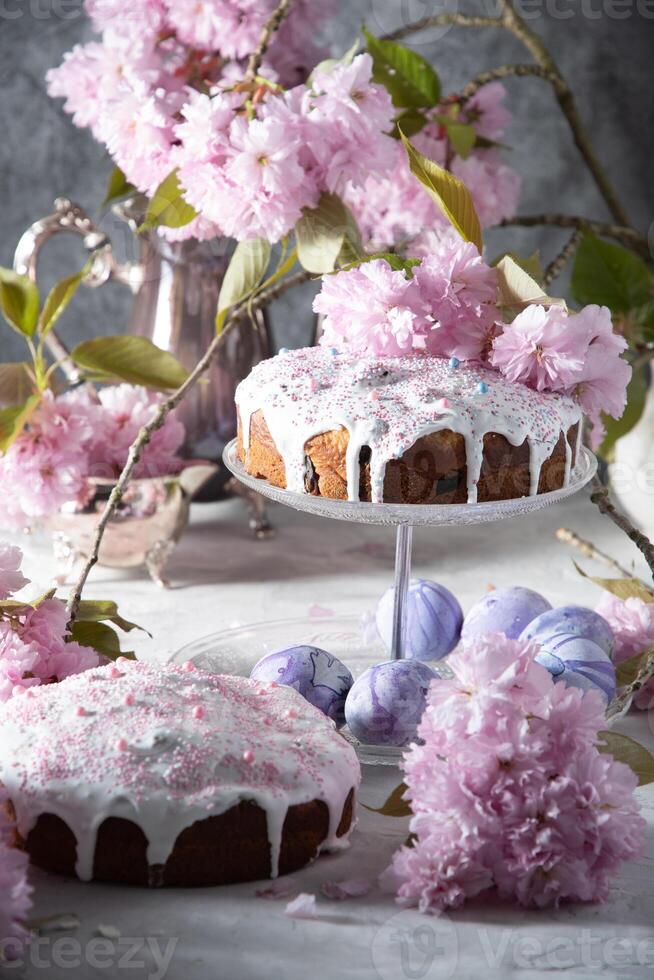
[(237, 650)]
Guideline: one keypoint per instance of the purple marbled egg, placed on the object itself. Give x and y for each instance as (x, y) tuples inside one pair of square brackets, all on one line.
[(571, 621), (386, 703), (579, 663), (506, 611), (433, 623), (318, 676)]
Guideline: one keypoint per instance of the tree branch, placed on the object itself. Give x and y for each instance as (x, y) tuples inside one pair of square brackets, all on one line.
[(143, 438), (628, 236), (272, 25), (589, 550), (506, 71), (512, 22), (556, 266), (600, 497)]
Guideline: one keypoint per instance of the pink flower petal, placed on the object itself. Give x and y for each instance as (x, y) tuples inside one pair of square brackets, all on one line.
[(302, 907), (341, 890)]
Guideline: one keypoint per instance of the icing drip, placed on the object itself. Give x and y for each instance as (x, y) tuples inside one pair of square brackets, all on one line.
[(388, 403), (165, 747)]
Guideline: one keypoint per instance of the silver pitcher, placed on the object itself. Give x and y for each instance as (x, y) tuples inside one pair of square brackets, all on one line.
[(175, 288)]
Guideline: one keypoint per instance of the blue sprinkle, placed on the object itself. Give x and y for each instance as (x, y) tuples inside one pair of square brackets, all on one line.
[(283, 350), (482, 388), (454, 362), (333, 351)]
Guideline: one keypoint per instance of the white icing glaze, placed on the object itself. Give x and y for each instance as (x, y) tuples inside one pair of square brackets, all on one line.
[(164, 747), (388, 403)]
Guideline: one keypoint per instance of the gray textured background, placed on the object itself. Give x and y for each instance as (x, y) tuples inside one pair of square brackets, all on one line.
[(603, 46)]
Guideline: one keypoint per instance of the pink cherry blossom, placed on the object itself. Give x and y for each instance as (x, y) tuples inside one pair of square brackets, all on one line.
[(494, 186), (543, 347), (15, 892), (487, 112), (632, 622), (509, 791), (372, 309), (11, 577)]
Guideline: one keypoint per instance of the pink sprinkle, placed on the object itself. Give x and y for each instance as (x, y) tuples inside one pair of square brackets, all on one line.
[(115, 673), (290, 713), (29, 693), (188, 666), (313, 385), (248, 756), (129, 700), (198, 711), (121, 745), (443, 403), (81, 712), (374, 395)]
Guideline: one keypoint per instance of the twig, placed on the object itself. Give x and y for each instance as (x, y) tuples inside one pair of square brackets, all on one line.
[(155, 423), (587, 548), (628, 236), (272, 25), (511, 21), (506, 71), (556, 266), (442, 20), (600, 497)]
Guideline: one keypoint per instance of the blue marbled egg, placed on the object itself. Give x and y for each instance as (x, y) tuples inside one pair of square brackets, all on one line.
[(579, 663), (433, 623), (386, 703), (506, 611), (571, 621), (318, 676)]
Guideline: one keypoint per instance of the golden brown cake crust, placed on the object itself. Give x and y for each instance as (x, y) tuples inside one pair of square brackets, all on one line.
[(432, 471)]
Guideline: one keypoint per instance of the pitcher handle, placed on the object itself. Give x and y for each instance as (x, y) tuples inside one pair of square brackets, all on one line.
[(68, 217)]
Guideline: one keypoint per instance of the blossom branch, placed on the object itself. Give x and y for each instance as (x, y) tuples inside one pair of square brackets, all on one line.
[(506, 71), (628, 236), (600, 497), (512, 22), (556, 266), (589, 550), (272, 25), (157, 421)]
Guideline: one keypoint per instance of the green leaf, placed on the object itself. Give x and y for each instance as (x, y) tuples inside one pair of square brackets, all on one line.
[(462, 136), (530, 264), (58, 299), (631, 752), (19, 302), (617, 428), (13, 420), (322, 232), (517, 289), (408, 77), (327, 66), (15, 383), (396, 262), (118, 187), (450, 194), (244, 273), (628, 670), (395, 805), (133, 359), (168, 206), (623, 588), (609, 275), (100, 637), (104, 610), (409, 123)]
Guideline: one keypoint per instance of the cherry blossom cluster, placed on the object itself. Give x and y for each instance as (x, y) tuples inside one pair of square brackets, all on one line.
[(509, 791), (34, 644), (395, 208), (75, 437), (632, 623), (447, 305), (15, 892)]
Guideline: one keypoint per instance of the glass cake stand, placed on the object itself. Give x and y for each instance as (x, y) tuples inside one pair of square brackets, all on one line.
[(404, 517)]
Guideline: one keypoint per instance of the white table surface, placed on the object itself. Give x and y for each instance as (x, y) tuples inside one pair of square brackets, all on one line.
[(222, 577)]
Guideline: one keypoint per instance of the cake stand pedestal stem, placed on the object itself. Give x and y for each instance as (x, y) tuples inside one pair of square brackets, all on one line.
[(403, 541)]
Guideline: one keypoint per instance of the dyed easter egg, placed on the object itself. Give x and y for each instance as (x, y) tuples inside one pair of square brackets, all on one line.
[(433, 620), (579, 663), (506, 611), (386, 703), (318, 676), (571, 621)]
